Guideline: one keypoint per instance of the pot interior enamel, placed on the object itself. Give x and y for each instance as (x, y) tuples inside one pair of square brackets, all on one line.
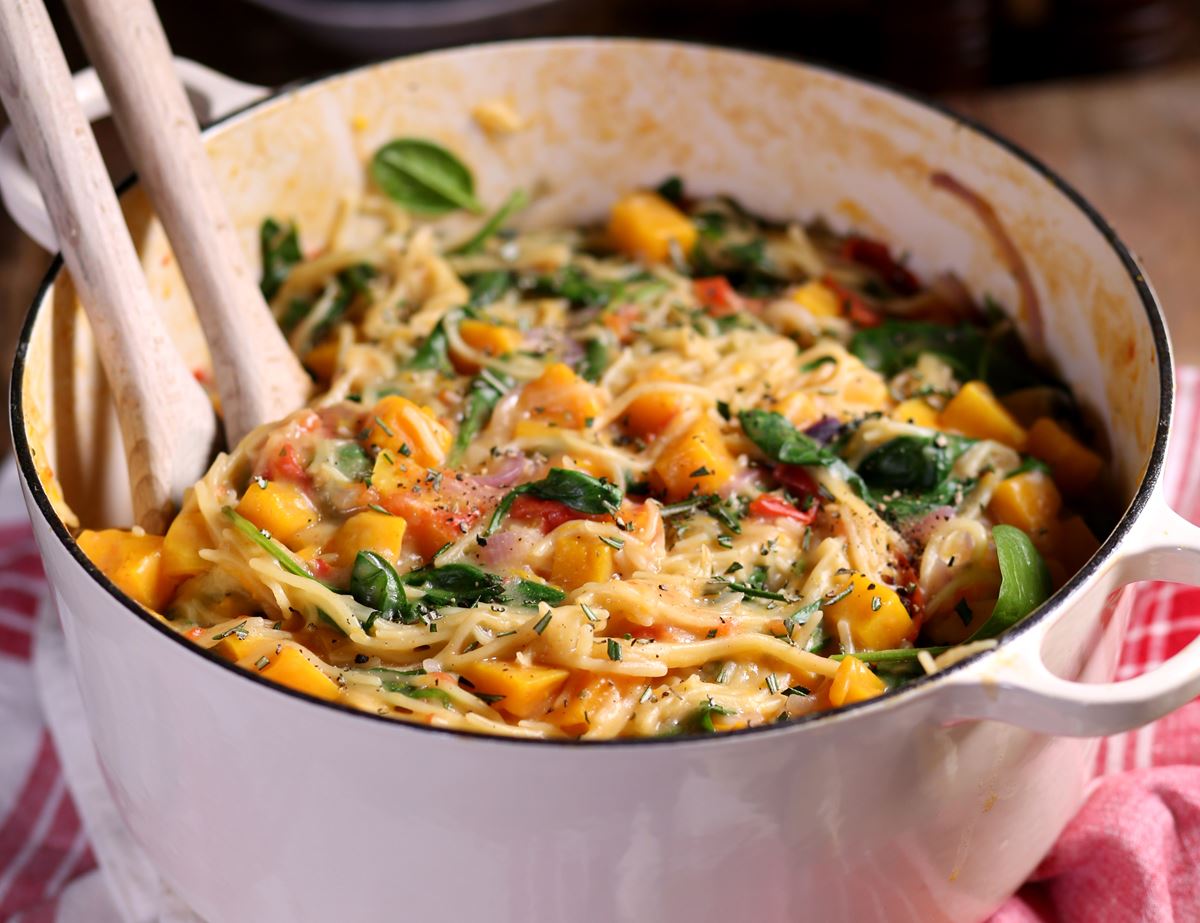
[(602, 117)]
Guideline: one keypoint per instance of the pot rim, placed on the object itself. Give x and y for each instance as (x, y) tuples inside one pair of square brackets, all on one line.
[(1066, 595)]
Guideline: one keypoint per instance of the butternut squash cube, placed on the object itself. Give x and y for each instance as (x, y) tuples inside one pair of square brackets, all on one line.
[(697, 460), (976, 412), (560, 396), (526, 690), (238, 650), (322, 360), (392, 474), (280, 508), (877, 618), (400, 428), (188, 533), (292, 669), (580, 558), (1074, 543), (817, 299), (132, 562), (587, 695), (1029, 501), (917, 412), (643, 225), (854, 682), (1075, 466), (489, 339), (651, 413), (369, 530)]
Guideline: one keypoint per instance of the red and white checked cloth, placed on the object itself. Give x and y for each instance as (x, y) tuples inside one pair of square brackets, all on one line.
[(1131, 855)]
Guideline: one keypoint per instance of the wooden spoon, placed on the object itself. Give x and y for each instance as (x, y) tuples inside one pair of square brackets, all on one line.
[(167, 422), (256, 373)]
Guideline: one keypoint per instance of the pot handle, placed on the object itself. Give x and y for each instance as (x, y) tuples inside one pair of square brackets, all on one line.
[(1016, 687), (212, 94)]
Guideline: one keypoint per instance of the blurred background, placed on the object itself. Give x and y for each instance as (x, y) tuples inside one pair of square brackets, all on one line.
[(1106, 91)]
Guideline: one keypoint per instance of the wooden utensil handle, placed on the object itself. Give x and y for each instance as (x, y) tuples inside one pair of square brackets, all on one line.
[(167, 422), (257, 375)]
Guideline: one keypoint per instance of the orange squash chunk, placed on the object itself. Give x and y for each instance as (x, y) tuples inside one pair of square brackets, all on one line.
[(560, 396), (526, 690), (1075, 466), (132, 562), (404, 430), (975, 411), (696, 460), (643, 225), (1029, 501)]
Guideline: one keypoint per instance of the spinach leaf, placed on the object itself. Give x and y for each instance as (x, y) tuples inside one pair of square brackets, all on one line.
[(909, 506), (351, 282), (516, 201), (280, 249), (595, 360), (374, 583), (267, 544), (484, 392), (579, 491), (424, 177), (912, 462), (528, 593), (777, 439), (574, 285), (893, 655), (702, 722), (434, 353), (418, 692), (457, 584), (352, 461), (780, 441), (996, 355), (1024, 581), (895, 345), (671, 189), (487, 287), (466, 585)]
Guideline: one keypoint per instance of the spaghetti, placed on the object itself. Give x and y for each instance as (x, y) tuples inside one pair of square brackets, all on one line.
[(689, 472)]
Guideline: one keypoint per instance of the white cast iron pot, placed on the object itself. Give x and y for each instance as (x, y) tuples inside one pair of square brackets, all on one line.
[(933, 804)]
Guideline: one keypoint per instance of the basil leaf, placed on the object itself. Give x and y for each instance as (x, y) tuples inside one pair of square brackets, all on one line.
[(579, 491), (912, 462), (267, 544), (516, 201), (487, 287), (1024, 581), (424, 177), (595, 360), (485, 391), (280, 249), (352, 461), (374, 583)]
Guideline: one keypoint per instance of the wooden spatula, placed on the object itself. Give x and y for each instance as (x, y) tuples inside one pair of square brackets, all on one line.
[(257, 375), (167, 422)]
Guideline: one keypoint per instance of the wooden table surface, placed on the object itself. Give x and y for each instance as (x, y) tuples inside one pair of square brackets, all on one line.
[(1130, 144)]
